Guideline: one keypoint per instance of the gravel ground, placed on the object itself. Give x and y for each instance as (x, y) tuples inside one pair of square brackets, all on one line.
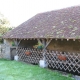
[(76, 77)]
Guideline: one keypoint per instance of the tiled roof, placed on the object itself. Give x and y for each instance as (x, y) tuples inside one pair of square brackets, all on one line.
[(63, 23)]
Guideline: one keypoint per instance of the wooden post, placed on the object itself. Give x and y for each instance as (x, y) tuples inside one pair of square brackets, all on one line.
[(39, 40), (44, 50), (43, 62), (44, 42), (48, 42), (17, 44)]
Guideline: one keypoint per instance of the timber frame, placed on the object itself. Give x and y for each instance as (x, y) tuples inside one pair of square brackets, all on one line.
[(52, 58)]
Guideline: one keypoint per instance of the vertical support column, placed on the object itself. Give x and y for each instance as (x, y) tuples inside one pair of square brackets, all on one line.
[(44, 42), (47, 43), (17, 44), (44, 50), (44, 61)]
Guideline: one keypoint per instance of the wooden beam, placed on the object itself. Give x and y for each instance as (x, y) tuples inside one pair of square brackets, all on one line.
[(56, 39), (67, 39), (43, 42), (39, 41), (44, 50), (19, 41), (61, 39), (47, 44), (73, 39), (16, 42)]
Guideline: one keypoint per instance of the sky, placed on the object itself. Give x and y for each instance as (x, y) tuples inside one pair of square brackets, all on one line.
[(18, 11)]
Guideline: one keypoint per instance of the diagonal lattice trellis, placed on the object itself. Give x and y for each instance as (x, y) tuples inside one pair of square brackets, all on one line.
[(60, 60), (34, 57), (63, 61)]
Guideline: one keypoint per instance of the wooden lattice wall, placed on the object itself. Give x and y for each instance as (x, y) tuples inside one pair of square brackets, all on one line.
[(55, 59), (63, 60), (34, 56)]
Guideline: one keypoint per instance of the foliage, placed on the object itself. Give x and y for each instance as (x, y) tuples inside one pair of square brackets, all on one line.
[(13, 70), (4, 25), (39, 45)]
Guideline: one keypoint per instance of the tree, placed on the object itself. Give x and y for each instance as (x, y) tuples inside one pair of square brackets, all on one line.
[(4, 25)]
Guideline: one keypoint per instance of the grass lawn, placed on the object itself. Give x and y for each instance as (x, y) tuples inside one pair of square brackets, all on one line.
[(13, 70)]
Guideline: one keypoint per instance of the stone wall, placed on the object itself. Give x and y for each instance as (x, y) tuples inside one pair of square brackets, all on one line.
[(0, 51), (6, 47)]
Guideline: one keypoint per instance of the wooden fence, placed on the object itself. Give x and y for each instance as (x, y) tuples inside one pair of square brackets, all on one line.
[(60, 60), (34, 56), (64, 61)]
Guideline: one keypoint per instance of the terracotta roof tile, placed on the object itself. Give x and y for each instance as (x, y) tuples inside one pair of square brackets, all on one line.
[(63, 23)]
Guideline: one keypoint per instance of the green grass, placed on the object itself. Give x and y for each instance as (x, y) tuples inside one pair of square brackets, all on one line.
[(13, 70)]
